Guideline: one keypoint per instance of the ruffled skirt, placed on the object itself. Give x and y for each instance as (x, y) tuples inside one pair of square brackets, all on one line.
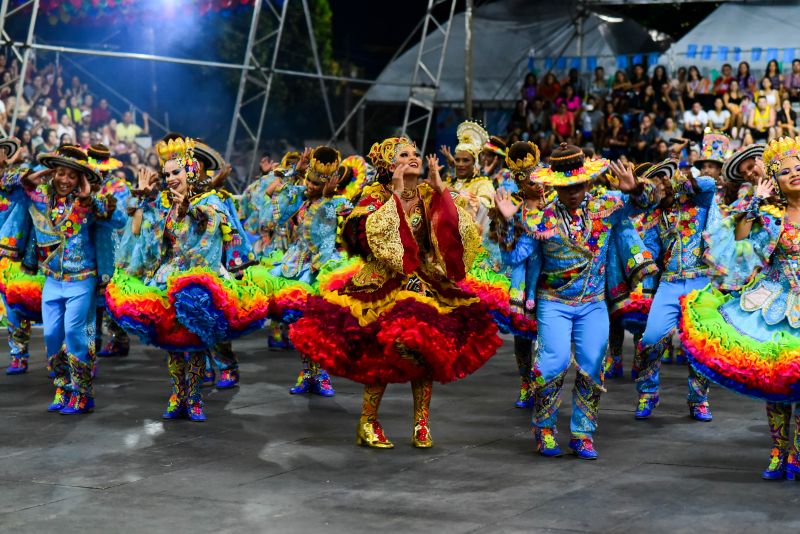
[(23, 291), (397, 336), (740, 350), (197, 310)]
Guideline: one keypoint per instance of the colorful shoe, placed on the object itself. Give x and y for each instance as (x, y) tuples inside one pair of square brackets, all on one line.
[(114, 349), (583, 448), (616, 370), (303, 384), (525, 399), (647, 403), (700, 412), (79, 403), (175, 408), (777, 465), (195, 411), (546, 443), (59, 401), (322, 384), (680, 358), (422, 435), (792, 467), (370, 434), (18, 365), (278, 344), (228, 378)]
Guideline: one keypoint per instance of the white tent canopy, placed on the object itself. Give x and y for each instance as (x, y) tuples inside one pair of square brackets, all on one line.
[(743, 26), (503, 34)]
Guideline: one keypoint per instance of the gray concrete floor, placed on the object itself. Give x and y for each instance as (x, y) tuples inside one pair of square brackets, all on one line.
[(266, 461)]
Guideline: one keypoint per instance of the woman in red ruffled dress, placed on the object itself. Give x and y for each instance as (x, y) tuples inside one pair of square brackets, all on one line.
[(398, 316)]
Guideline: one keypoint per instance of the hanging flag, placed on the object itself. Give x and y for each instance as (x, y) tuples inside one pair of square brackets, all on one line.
[(591, 63), (637, 59), (722, 53), (691, 51), (561, 63), (788, 55), (652, 58), (575, 63), (755, 54), (705, 52), (622, 62), (772, 53), (548, 63), (531, 57), (737, 53)]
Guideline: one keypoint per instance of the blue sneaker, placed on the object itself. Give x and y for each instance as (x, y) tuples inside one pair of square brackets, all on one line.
[(546, 442), (700, 412), (175, 409), (18, 365), (195, 411), (79, 403), (303, 384), (525, 399), (647, 403), (59, 401), (228, 378), (777, 466), (583, 448), (322, 384)]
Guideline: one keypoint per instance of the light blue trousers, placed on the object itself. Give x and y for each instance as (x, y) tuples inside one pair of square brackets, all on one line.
[(68, 312)]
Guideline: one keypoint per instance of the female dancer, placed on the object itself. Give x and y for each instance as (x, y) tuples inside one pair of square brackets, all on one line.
[(747, 340), (175, 286), (399, 316)]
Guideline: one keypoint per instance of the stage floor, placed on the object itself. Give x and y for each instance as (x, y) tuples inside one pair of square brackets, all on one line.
[(266, 461)]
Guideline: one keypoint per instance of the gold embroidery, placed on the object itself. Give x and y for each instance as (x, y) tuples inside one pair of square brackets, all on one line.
[(372, 274), (470, 237), (383, 235)]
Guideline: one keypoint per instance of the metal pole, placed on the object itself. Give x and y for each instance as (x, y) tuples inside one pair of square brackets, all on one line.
[(428, 15), (439, 73), (268, 88), (3, 11), (315, 53), (25, 60), (468, 60), (242, 79)]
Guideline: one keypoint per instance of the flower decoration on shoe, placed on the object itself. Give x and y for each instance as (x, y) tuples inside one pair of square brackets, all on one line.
[(583, 448), (303, 384), (700, 412), (546, 442), (322, 385), (647, 403), (18, 365), (195, 411), (79, 403), (422, 435), (777, 465), (175, 408), (228, 378), (370, 434), (60, 400)]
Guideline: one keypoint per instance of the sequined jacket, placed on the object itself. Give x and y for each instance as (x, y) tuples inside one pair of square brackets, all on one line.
[(64, 245), (677, 239), (311, 227), (575, 270), (15, 221)]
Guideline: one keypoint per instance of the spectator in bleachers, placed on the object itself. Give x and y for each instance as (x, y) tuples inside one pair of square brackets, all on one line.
[(639, 79), (549, 89), (563, 126), (599, 86), (694, 122), (670, 130), (127, 131), (733, 103), (519, 119), (723, 81), (620, 89), (645, 140), (773, 72), (767, 90), (787, 120), (697, 88), (591, 120), (791, 83), (574, 80), (50, 142), (100, 114), (569, 98), (762, 120), (719, 118), (529, 87), (617, 139), (747, 82)]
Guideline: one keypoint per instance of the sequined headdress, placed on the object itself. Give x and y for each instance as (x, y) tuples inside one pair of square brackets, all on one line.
[(568, 166), (471, 138), (324, 163), (384, 154), (526, 164), (716, 149), (181, 149), (779, 149)]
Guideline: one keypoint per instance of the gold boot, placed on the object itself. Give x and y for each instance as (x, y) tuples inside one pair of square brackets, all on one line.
[(421, 437), (370, 432)]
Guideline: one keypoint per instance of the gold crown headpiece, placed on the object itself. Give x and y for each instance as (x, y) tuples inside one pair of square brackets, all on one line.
[(383, 154), (181, 149), (778, 150), (323, 171), (286, 157), (525, 164)]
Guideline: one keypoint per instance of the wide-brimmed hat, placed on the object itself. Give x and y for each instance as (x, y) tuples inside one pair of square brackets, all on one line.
[(212, 160), (10, 145), (72, 157), (716, 149), (668, 167), (495, 145), (99, 157), (731, 171), (568, 166)]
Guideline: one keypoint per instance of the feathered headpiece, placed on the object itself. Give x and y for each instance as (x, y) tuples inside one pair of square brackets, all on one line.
[(181, 149)]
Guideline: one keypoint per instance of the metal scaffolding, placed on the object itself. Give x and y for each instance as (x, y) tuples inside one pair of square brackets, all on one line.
[(256, 79)]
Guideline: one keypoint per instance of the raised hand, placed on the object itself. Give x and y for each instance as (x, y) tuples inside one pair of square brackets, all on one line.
[(32, 180), (624, 175), (305, 159), (764, 188), (330, 186), (180, 202), (397, 178), (434, 174), (448, 156), (504, 204)]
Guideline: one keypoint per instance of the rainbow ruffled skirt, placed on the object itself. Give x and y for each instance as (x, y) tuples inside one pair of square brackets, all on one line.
[(23, 291)]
